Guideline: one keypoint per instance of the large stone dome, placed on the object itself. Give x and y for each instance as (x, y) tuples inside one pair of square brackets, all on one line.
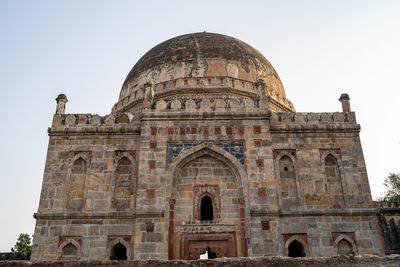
[(203, 55)]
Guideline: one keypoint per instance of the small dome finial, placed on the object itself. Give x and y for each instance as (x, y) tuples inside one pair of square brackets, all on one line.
[(61, 101), (345, 99)]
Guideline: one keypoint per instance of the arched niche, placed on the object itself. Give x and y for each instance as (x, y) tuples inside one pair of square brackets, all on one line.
[(77, 179), (334, 185), (69, 250), (296, 249), (119, 249), (296, 246), (345, 248), (288, 184), (215, 152), (344, 245), (123, 176)]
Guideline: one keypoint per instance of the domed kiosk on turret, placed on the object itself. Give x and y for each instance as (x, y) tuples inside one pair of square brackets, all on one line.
[(203, 155)]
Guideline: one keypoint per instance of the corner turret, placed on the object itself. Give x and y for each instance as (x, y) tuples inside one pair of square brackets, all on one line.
[(345, 99), (61, 101)]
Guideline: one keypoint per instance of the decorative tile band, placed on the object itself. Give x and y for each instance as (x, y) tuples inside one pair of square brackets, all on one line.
[(234, 148)]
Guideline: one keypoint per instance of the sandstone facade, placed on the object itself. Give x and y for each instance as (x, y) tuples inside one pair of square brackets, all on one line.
[(203, 158)]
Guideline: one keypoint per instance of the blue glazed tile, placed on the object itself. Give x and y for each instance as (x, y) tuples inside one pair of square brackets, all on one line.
[(235, 148)]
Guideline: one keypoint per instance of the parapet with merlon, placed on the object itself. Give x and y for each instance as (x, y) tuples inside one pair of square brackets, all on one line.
[(324, 121)]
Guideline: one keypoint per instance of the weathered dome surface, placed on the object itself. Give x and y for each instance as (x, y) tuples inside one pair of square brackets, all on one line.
[(201, 55)]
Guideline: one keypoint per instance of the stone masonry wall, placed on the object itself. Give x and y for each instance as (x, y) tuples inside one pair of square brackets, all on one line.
[(313, 136), (97, 144), (161, 159), (297, 177), (307, 139)]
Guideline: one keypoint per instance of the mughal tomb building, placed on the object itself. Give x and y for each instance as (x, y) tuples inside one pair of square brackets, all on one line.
[(204, 152)]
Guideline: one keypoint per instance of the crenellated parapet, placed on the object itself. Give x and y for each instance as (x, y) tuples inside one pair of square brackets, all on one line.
[(183, 88), (387, 205), (92, 124), (300, 121)]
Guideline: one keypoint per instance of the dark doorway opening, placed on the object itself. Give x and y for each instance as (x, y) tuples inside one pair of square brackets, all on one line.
[(206, 209), (118, 252), (211, 255), (296, 249)]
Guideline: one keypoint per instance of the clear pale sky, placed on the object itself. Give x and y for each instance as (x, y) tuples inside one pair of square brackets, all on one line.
[(85, 49)]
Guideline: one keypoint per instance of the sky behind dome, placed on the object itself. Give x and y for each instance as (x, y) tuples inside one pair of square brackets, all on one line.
[(85, 49)]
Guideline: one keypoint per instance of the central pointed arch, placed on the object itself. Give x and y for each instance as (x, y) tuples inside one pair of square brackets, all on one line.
[(239, 178), (215, 152)]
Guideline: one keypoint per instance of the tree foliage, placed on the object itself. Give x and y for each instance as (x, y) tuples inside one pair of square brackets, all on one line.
[(392, 183), (23, 244)]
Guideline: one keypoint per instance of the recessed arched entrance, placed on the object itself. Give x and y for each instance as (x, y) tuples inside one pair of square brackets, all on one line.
[(207, 205)]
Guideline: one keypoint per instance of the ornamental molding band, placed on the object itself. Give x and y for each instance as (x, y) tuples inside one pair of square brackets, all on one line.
[(236, 149)]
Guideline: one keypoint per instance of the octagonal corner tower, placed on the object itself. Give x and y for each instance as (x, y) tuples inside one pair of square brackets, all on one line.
[(205, 64)]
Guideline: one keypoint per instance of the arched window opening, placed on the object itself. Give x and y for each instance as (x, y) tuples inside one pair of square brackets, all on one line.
[(118, 252), (122, 184), (345, 248), (286, 167), (331, 166), (69, 251), (296, 249), (206, 209), (77, 185)]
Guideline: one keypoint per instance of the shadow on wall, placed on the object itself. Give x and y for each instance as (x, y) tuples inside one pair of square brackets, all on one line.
[(10, 256), (389, 221)]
